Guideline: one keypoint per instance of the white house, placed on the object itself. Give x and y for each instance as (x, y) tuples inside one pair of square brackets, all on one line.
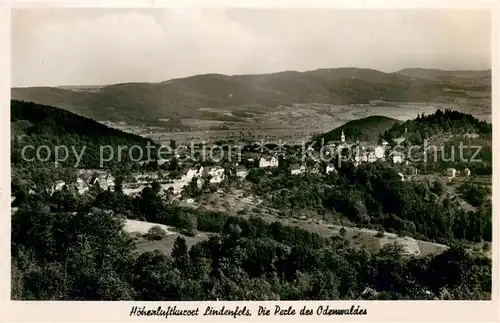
[(296, 169), (241, 171), (379, 152), (104, 181), (401, 176), (451, 172), (133, 189), (81, 186), (199, 183), (371, 157), (397, 158), (58, 186), (217, 174), (330, 168), (188, 174), (271, 162)]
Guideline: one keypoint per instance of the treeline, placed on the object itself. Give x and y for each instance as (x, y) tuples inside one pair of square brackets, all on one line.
[(373, 196), (461, 141), (449, 121), (66, 249)]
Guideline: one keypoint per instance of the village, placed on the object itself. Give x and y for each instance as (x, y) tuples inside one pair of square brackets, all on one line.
[(173, 182)]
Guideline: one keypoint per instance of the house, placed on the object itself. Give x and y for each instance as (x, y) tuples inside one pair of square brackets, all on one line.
[(199, 183), (58, 186), (401, 176), (330, 169), (315, 169), (241, 171), (200, 171), (379, 152), (451, 172), (371, 157), (296, 169), (217, 174), (467, 172), (187, 174), (104, 181), (81, 186), (396, 157), (399, 141), (271, 162), (133, 189)]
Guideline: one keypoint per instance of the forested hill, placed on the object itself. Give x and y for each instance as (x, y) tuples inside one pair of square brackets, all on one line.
[(441, 122), (365, 129), (40, 125), (448, 131)]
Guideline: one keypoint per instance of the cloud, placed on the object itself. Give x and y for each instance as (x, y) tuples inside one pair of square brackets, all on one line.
[(104, 46)]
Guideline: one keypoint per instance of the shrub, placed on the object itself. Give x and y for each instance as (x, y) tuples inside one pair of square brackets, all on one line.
[(155, 233)]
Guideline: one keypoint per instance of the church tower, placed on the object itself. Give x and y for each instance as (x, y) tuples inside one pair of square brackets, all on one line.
[(342, 137)]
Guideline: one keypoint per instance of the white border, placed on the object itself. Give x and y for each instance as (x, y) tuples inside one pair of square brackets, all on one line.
[(393, 311)]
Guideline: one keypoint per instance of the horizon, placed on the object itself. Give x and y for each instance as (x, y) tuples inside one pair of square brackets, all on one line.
[(276, 72), (81, 46)]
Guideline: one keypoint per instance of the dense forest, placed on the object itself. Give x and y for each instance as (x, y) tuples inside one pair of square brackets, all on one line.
[(447, 121), (67, 249), (45, 128), (39, 125), (444, 132), (373, 196), (72, 247)]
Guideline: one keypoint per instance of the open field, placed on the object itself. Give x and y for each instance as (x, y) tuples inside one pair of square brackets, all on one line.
[(292, 122)]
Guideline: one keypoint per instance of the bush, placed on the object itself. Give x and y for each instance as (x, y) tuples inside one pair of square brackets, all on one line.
[(155, 233)]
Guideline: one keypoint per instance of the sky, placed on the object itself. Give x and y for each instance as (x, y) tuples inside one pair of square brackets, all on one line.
[(96, 46)]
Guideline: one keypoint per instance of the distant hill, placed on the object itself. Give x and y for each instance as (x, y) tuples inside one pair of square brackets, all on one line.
[(479, 79), (146, 103), (39, 125), (365, 129)]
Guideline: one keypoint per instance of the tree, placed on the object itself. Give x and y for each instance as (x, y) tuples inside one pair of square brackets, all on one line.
[(173, 165), (155, 187), (180, 253), (156, 233), (119, 184)]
